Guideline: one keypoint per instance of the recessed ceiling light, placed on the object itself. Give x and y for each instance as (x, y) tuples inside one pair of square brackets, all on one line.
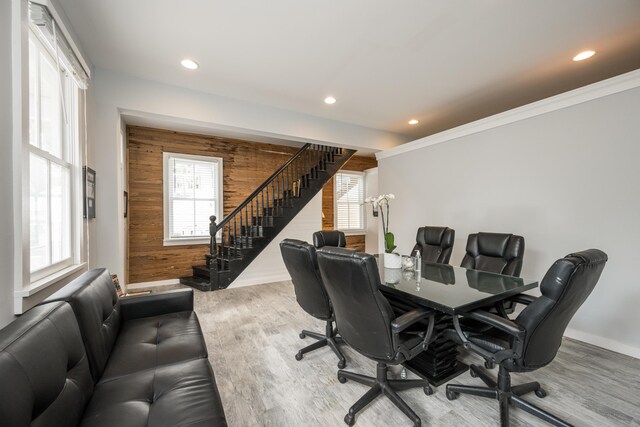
[(189, 64), (329, 100), (413, 122), (584, 55)]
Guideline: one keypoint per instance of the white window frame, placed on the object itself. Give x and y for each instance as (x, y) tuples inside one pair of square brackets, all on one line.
[(27, 289), (39, 279), (178, 241), (349, 231)]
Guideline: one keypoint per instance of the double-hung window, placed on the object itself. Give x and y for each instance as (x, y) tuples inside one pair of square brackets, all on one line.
[(192, 193), (349, 196), (55, 112)]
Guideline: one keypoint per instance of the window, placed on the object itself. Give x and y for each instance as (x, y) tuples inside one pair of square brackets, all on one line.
[(349, 196), (53, 156), (192, 193)]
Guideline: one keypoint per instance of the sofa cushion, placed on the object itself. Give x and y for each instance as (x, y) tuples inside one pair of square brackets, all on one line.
[(44, 373), (150, 342), (95, 304), (175, 395)]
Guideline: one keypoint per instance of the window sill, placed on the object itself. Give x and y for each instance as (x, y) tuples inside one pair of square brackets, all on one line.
[(354, 232), (186, 242), (51, 279)]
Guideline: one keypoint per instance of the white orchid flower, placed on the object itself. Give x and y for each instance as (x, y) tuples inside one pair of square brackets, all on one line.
[(391, 196)]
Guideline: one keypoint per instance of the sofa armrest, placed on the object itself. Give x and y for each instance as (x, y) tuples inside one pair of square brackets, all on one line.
[(136, 307)]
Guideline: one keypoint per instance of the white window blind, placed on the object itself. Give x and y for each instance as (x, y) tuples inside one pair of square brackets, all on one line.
[(349, 195), (193, 192)]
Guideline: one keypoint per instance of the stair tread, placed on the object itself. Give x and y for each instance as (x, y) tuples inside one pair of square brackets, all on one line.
[(233, 257)]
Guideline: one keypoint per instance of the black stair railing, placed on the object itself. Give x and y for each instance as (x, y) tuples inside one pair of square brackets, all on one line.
[(236, 233)]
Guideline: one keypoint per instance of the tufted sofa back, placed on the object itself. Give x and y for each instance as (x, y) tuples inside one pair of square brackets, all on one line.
[(95, 303), (45, 378)]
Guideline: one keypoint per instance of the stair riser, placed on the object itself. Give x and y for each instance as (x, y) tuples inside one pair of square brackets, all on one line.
[(231, 259)]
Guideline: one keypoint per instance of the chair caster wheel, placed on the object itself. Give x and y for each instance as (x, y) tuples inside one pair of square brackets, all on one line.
[(298, 356), (541, 393), (349, 419), (342, 364), (473, 373), (342, 379), (488, 365), (427, 390), (302, 336), (452, 395)]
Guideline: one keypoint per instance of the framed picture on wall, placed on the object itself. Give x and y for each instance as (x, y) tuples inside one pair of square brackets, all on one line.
[(89, 192)]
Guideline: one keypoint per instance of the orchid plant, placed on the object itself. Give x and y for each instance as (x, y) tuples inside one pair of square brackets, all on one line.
[(382, 203)]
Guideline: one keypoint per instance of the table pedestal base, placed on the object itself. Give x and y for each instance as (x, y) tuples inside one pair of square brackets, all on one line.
[(439, 363)]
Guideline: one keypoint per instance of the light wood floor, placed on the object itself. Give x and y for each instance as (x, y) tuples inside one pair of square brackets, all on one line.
[(252, 337)]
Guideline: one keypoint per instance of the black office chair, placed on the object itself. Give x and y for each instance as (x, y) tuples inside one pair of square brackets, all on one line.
[(301, 262), (533, 339), (494, 252), (368, 324), (329, 238), (435, 244)]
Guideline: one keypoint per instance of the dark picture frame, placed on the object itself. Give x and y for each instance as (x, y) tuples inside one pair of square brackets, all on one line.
[(89, 192), (126, 204)]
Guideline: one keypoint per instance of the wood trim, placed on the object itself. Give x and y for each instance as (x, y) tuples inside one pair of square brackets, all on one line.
[(357, 164), (246, 165)]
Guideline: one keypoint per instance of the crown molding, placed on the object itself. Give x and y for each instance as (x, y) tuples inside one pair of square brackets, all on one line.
[(593, 91)]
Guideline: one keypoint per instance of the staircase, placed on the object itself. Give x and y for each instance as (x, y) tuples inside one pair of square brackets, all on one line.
[(240, 237)]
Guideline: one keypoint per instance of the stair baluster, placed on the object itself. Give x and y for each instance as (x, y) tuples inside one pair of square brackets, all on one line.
[(247, 230)]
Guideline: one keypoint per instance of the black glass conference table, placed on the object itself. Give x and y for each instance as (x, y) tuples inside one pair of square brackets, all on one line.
[(450, 291)]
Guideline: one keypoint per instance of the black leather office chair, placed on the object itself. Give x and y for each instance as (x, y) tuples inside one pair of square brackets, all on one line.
[(368, 324), (435, 244), (533, 339), (329, 238), (301, 262), (495, 252)]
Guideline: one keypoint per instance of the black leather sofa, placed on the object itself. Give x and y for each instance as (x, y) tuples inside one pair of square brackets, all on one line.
[(86, 357)]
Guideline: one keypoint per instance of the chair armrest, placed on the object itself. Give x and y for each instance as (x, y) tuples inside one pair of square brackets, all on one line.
[(523, 299), (136, 307), (401, 323), (505, 325)]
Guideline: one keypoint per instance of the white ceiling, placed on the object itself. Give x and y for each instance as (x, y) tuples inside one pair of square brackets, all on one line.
[(445, 62)]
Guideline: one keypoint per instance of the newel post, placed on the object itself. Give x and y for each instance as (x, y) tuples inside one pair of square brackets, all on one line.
[(213, 229)]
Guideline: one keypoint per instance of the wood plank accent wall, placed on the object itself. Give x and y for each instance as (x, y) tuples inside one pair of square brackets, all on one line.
[(358, 164), (246, 165)]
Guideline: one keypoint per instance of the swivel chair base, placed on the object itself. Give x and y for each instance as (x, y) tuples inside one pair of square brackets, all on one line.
[(329, 338), (506, 394), (382, 385)]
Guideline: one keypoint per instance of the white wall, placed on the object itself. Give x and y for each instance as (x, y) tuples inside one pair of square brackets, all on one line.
[(373, 223), (118, 94), (566, 180), (6, 170), (268, 267)]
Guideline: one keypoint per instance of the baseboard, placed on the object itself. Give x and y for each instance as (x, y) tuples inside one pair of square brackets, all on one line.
[(603, 342), (238, 283), (259, 280), (141, 285)]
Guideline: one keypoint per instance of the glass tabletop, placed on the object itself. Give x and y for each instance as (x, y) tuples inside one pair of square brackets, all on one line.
[(450, 289)]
